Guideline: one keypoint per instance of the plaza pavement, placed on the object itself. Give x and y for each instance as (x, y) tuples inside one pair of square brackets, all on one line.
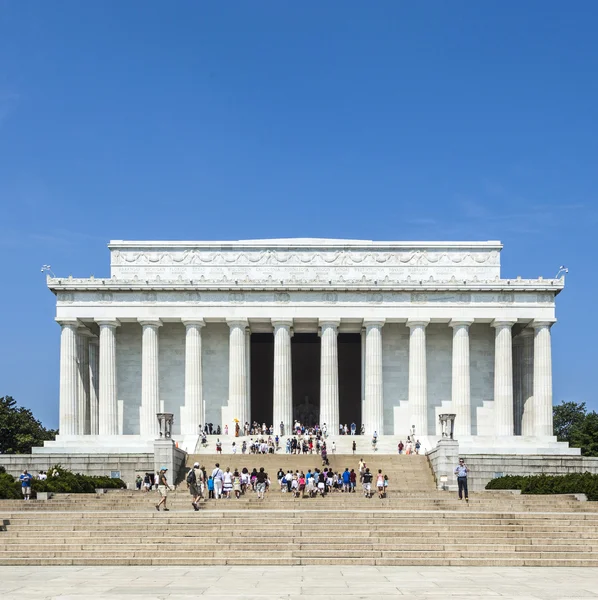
[(269, 583)]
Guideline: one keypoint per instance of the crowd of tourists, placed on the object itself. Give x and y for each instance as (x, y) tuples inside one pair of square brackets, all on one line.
[(234, 483), (296, 428)]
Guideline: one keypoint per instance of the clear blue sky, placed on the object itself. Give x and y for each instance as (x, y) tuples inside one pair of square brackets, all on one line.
[(231, 120)]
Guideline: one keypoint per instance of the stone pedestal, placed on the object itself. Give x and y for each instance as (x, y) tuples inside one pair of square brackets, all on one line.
[(446, 458), (164, 457)]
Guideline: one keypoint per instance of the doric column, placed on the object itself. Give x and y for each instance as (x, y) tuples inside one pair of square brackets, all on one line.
[(526, 369), (418, 378), (108, 408), (503, 377), (329, 408), (69, 377), (94, 386), (461, 388), (362, 376), (194, 408), (542, 379), (248, 373), (83, 409), (150, 381), (283, 381), (237, 371), (373, 419)]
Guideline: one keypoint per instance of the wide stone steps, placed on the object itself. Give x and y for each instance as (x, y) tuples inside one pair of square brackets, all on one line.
[(416, 525)]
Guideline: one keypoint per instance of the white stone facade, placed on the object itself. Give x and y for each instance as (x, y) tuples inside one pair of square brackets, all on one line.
[(441, 332)]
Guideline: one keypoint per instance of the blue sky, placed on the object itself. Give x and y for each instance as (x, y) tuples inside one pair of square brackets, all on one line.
[(212, 120)]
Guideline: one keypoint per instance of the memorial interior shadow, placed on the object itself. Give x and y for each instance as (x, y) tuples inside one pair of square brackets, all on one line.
[(305, 357), (305, 349), (349, 378), (262, 377)]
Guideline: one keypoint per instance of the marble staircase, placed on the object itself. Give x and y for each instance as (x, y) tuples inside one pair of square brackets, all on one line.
[(414, 525)]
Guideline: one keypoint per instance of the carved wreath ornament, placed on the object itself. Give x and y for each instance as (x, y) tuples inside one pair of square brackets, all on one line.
[(272, 257)]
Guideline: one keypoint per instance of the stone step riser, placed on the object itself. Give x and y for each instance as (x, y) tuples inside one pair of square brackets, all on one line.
[(232, 556), (457, 562), (268, 549)]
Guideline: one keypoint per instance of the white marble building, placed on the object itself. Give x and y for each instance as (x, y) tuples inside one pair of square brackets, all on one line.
[(388, 334)]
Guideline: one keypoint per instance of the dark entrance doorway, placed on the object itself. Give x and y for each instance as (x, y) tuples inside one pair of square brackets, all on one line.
[(349, 378), (262, 377), (305, 352), (305, 357)]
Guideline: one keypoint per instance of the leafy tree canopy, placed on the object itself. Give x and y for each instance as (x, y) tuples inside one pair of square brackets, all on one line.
[(567, 417), (574, 425), (19, 429)]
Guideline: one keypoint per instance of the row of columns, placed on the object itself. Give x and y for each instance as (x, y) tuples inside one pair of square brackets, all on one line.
[(88, 391)]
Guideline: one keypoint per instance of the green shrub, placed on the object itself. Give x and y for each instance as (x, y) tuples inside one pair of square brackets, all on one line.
[(572, 483), (10, 489), (508, 482), (75, 483), (65, 483)]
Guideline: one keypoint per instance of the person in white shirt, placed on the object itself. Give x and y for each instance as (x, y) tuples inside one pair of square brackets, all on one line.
[(217, 476)]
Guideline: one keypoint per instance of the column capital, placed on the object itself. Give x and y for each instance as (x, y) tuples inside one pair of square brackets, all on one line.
[(237, 322), (417, 322), (282, 323), (526, 332), (150, 322), (193, 323), (68, 322), (502, 323), (373, 323), (536, 323), (108, 322), (329, 323), (82, 330), (460, 322)]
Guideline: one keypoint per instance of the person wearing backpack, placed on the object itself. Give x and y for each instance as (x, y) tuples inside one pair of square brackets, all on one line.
[(194, 481)]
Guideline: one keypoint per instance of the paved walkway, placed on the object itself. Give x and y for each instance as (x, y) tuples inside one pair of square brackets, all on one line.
[(178, 583)]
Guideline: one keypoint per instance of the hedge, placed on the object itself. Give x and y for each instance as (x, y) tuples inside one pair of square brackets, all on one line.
[(65, 483), (572, 483)]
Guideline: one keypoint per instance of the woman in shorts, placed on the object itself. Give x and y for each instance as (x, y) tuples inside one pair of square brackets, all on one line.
[(227, 482), (380, 484)]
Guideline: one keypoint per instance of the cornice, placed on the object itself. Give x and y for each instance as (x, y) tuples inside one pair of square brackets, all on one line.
[(115, 285)]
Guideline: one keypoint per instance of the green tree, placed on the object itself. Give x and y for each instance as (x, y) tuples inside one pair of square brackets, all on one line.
[(567, 418), (585, 436), (19, 429)]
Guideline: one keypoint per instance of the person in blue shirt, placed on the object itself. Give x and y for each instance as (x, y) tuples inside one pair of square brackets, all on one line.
[(25, 480), (461, 471), (346, 480)]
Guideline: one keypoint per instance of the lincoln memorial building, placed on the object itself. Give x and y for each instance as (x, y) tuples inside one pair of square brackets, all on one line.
[(385, 334)]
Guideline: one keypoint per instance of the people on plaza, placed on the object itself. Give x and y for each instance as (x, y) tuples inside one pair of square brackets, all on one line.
[(461, 471), (401, 446), (354, 446)]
